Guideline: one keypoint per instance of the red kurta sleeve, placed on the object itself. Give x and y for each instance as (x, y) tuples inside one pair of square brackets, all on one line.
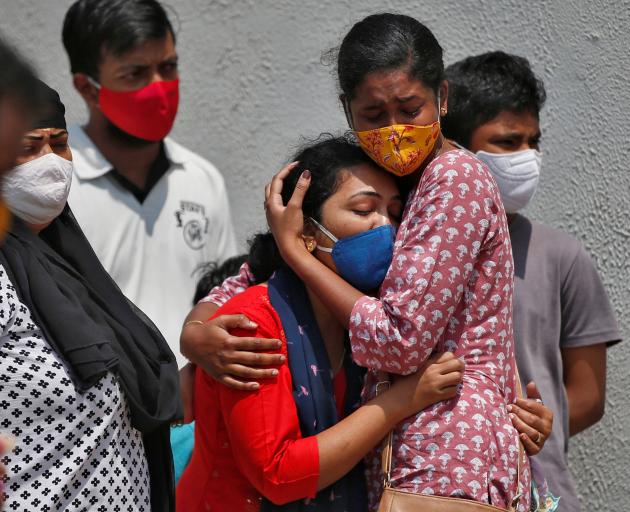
[(263, 426)]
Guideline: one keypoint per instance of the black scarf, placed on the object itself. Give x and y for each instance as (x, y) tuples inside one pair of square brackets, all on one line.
[(312, 379), (94, 328)]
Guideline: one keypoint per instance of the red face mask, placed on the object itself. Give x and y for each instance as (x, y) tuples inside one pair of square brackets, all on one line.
[(147, 113)]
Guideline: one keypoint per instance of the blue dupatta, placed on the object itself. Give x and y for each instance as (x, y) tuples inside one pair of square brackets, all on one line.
[(313, 391)]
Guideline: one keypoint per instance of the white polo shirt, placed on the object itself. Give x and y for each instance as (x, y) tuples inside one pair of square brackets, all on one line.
[(153, 248)]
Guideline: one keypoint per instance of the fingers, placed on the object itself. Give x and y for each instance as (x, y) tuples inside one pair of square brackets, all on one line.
[(297, 198), (524, 425), (453, 378), (252, 358), (234, 343), (267, 192), (539, 416), (531, 391), (533, 439), (534, 407), (530, 446), (238, 385), (532, 421), (284, 172), (443, 357), (236, 322), (240, 371), (275, 187), (447, 363)]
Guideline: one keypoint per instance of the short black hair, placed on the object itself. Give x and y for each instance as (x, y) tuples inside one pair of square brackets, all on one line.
[(483, 86), (116, 26), (214, 274), (386, 42), (17, 79)]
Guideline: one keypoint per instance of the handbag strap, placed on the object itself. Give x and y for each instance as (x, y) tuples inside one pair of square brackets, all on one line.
[(387, 453)]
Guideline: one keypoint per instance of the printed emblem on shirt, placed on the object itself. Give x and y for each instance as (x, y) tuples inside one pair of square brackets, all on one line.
[(191, 218)]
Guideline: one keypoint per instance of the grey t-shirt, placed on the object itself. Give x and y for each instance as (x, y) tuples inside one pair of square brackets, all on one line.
[(559, 302)]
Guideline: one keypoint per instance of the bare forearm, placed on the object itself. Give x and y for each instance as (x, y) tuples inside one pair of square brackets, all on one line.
[(585, 384), (191, 336), (343, 445), (332, 290), (584, 410)]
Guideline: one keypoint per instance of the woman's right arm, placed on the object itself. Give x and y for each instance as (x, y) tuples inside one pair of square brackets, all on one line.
[(231, 360), (432, 263), (343, 445), (265, 434)]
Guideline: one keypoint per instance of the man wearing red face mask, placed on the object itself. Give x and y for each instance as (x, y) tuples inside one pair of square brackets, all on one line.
[(151, 209)]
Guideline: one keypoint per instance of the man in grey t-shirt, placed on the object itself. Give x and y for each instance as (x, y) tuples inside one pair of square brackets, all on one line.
[(563, 320)]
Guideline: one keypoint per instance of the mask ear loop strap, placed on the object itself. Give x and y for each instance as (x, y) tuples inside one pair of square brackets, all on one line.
[(93, 82), (326, 232)]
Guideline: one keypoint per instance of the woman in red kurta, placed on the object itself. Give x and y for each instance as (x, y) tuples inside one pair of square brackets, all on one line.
[(253, 448)]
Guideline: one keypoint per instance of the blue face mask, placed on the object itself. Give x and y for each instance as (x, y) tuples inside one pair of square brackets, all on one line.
[(362, 259)]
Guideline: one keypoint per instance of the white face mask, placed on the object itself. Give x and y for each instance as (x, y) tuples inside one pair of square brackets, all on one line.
[(37, 191), (516, 175)]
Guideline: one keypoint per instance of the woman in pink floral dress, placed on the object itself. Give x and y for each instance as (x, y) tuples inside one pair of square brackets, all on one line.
[(449, 287), (450, 283)]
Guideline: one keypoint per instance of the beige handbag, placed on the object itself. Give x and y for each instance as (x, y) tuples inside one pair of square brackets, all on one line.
[(394, 500)]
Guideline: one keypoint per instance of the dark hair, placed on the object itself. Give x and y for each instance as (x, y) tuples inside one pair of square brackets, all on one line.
[(324, 158), (384, 42), (214, 275), (116, 26), (483, 86), (17, 79)]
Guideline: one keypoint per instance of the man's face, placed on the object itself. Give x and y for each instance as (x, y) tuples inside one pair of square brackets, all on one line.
[(506, 133), (152, 61)]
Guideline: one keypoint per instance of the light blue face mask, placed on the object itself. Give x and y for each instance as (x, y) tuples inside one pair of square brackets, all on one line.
[(362, 259)]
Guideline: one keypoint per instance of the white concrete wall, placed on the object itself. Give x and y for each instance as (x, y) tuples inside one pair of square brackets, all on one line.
[(253, 83)]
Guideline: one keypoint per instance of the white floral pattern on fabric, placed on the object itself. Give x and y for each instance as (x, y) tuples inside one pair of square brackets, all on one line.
[(232, 286), (74, 452), (449, 288)]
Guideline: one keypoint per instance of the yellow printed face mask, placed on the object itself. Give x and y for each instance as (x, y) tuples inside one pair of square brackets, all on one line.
[(5, 220), (400, 148)]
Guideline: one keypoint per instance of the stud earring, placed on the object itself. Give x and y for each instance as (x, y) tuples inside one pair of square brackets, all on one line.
[(443, 111)]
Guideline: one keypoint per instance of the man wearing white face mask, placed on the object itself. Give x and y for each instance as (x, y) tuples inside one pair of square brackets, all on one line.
[(563, 320)]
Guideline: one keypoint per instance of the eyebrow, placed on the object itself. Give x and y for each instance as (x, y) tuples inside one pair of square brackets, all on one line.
[(369, 193), (373, 106), (53, 136), (132, 67), (509, 135)]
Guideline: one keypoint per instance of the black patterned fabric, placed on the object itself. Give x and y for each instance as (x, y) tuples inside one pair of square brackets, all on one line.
[(74, 451)]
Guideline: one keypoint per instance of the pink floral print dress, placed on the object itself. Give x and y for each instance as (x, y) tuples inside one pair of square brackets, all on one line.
[(449, 288)]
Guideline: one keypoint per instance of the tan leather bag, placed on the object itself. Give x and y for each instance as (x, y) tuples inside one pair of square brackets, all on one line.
[(394, 500)]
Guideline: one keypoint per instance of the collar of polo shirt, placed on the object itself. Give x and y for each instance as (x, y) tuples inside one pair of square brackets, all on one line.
[(98, 164)]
